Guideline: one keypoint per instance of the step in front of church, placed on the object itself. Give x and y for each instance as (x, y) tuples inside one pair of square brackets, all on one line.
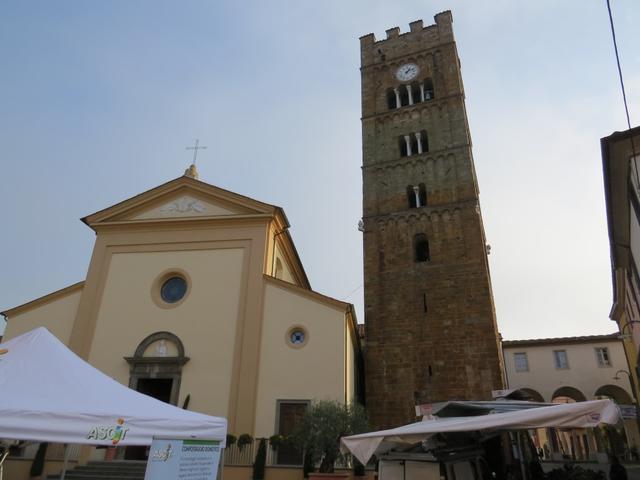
[(106, 470)]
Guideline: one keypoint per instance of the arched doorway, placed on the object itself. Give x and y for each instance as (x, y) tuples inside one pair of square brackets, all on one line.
[(156, 366), (573, 443), (156, 370)]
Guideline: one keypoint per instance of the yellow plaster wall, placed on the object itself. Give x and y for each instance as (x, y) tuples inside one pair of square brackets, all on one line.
[(205, 321), (57, 315), (314, 372), (286, 270)]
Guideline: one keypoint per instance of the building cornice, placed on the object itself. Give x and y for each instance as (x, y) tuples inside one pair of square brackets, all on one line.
[(429, 156), (535, 342), (407, 109), (312, 294)]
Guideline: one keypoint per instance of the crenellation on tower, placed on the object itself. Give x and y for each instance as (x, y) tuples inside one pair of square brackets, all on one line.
[(397, 44), (430, 323), (416, 26), (393, 33)]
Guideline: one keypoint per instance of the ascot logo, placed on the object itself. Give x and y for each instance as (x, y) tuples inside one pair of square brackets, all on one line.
[(162, 455), (115, 433)]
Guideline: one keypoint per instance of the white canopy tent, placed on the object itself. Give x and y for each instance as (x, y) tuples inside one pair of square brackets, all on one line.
[(49, 394), (568, 415)]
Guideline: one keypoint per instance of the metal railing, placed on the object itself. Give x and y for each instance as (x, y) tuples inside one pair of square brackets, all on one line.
[(246, 455)]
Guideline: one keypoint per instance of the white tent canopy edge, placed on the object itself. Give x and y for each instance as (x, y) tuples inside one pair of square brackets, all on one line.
[(49, 394), (569, 415)]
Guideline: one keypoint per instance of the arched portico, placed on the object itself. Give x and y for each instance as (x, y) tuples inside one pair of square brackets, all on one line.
[(534, 395), (615, 393), (568, 395)]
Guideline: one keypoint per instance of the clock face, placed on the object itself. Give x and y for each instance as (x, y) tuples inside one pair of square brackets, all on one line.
[(407, 72)]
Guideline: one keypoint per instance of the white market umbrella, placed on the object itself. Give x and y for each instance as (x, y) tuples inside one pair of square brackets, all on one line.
[(567, 415)]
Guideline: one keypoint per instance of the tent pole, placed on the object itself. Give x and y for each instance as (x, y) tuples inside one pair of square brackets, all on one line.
[(66, 459), (523, 468), (220, 464), (3, 457)]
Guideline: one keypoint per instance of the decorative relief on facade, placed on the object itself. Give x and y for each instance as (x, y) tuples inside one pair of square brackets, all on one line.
[(184, 205)]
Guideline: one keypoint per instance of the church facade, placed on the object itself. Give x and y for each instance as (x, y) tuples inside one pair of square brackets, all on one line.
[(196, 296)]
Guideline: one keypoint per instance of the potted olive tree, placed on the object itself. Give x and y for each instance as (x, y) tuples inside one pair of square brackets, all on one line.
[(318, 435)]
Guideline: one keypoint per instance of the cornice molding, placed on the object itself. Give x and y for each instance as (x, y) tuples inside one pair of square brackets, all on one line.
[(430, 156), (434, 103), (396, 61), (312, 294)]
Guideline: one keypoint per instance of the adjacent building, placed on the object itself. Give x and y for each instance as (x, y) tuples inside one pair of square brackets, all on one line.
[(620, 157), (430, 322), (575, 369), (569, 368)]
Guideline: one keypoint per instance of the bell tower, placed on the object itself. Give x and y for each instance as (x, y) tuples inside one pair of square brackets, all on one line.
[(430, 323)]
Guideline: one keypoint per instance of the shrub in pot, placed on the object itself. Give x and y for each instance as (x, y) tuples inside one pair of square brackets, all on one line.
[(244, 439), (276, 440), (319, 432)]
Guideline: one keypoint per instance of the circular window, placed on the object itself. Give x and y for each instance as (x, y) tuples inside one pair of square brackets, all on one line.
[(297, 336), (173, 289)]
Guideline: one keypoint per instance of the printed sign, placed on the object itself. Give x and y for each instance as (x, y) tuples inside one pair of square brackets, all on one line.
[(502, 393), (425, 410), (628, 412), (175, 459)]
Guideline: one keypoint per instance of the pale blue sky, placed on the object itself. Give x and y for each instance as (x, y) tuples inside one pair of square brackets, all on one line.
[(99, 99)]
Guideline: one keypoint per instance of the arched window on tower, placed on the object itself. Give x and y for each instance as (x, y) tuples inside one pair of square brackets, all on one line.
[(404, 95), (422, 194), (427, 88), (392, 99), (421, 247), (415, 144), (411, 196), (424, 141), (404, 146), (415, 93)]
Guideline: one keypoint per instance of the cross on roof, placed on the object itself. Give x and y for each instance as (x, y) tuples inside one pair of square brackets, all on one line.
[(195, 149)]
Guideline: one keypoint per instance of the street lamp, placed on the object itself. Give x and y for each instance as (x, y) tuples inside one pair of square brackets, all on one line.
[(627, 324)]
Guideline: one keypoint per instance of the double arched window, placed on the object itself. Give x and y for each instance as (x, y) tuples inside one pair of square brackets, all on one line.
[(413, 143), (417, 195), (410, 94)]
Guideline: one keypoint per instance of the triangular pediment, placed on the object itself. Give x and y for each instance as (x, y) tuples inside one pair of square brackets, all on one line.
[(181, 198)]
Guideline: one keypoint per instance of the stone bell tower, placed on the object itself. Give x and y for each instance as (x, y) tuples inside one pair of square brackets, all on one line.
[(430, 323)]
